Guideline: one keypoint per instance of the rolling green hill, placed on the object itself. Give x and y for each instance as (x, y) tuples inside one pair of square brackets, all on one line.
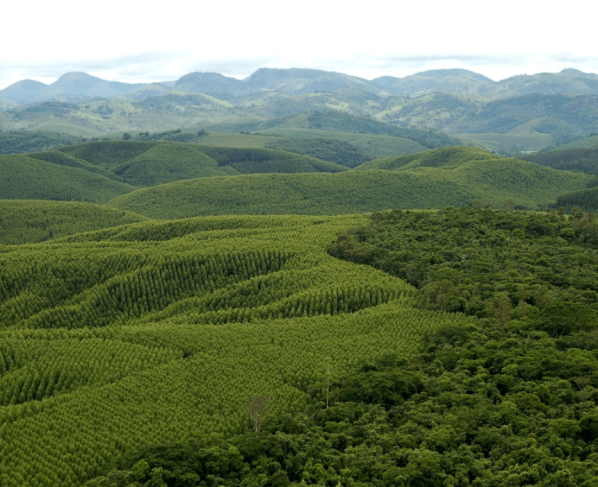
[(31, 221), (494, 181), (344, 148), (347, 149), (252, 161), (27, 178), (337, 121), (447, 157), (143, 336), (158, 162), (165, 335), (65, 159)]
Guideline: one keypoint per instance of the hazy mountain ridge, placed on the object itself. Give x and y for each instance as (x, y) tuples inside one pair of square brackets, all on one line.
[(77, 86), (528, 112)]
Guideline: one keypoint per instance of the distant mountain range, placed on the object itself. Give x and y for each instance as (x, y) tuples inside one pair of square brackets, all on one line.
[(76, 87), (518, 114)]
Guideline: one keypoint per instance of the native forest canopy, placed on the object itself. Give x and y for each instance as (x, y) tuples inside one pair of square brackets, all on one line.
[(301, 278)]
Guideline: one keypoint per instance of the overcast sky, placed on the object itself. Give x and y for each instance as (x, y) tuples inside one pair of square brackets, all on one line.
[(138, 41)]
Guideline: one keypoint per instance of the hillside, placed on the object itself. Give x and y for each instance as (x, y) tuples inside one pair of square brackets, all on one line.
[(19, 142), (576, 160), (152, 163), (448, 158), (214, 347), (337, 121), (28, 178), (583, 143), (493, 181), (253, 161), (586, 199), (31, 221), (206, 310)]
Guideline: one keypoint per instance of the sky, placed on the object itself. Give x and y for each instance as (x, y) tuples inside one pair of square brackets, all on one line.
[(134, 41)]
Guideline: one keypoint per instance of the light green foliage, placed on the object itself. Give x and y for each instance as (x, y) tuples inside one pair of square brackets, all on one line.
[(30, 221), (252, 161), (156, 332), (446, 157), (65, 159), (167, 162), (27, 178), (466, 179), (108, 153)]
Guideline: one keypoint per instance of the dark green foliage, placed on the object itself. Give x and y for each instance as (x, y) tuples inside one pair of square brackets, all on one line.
[(64, 159), (251, 161), (495, 402), (487, 263), (576, 160), (587, 199), (109, 152), (153, 163), (336, 151), (491, 408), (19, 142), (173, 136)]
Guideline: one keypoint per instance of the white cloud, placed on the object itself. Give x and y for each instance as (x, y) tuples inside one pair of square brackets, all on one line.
[(139, 41)]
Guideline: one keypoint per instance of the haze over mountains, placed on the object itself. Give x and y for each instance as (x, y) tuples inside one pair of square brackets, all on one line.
[(518, 114), (76, 87)]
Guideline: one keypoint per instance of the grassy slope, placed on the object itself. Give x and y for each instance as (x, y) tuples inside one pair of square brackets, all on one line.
[(491, 181), (158, 376), (31, 221), (27, 178)]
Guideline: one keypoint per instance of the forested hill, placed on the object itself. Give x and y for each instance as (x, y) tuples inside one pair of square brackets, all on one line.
[(337, 121), (508, 398), (577, 160), (483, 178)]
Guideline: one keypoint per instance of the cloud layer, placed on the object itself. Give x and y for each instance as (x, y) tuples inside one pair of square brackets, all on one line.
[(132, 41)]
